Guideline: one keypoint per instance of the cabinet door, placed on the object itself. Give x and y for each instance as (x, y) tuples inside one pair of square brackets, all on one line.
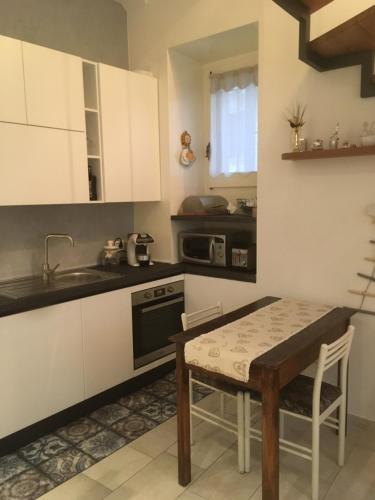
[(107, 340), (144, 133), (114, 106), (41, 364), (12, 89), (42, 166), (54, 88)]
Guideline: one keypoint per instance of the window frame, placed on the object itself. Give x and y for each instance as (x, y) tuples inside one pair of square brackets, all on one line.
[(238, 180)]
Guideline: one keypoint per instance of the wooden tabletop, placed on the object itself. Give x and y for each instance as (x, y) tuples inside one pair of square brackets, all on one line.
[(298, 351)]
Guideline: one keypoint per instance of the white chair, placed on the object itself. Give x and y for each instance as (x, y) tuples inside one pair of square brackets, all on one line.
[(313, 400), (224, 389)]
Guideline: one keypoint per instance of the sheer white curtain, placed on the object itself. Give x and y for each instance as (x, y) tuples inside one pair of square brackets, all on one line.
[(234, 122)]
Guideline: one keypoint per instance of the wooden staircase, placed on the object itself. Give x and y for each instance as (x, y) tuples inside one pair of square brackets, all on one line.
[(350, 44)]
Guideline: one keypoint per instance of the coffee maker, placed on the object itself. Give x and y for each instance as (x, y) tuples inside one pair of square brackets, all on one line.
[(138, 249)]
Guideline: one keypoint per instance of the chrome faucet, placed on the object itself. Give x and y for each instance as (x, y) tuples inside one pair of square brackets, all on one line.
[(47, 271)]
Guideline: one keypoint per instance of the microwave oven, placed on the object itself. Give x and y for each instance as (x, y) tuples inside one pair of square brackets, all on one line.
[(219, 248)]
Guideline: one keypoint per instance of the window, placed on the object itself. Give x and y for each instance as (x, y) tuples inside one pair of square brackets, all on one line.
[(234, 122)]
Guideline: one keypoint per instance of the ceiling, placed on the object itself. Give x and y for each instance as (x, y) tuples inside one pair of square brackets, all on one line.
[(222, 45)]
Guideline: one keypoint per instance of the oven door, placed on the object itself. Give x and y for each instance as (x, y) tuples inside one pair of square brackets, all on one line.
[(153, 323), (197, 248)]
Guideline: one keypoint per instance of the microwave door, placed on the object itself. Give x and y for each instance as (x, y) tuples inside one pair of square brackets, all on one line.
[(198, 249)]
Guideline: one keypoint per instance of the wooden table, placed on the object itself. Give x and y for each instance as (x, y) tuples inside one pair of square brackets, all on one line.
[(269, 373)]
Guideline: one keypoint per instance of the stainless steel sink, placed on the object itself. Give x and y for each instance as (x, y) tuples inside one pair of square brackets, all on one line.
[(78, 277), (27, 287)]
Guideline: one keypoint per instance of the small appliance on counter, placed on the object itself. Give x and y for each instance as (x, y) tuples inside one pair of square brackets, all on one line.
[(113, 253), (221, 248), (204, 205), (138, 249)]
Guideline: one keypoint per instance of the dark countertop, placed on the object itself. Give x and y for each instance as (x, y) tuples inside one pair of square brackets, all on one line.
[(126, 276), (227, 273)]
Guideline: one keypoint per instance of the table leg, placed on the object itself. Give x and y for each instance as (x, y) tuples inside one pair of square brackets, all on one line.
[(183, 418), (270, 432)]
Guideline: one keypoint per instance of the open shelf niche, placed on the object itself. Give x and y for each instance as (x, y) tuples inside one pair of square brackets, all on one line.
[(93, 132)]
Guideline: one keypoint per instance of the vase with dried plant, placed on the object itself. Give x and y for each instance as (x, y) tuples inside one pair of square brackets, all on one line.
[(296, 121)]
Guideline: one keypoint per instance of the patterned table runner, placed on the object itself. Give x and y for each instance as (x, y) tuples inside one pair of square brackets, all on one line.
[(231, 349)]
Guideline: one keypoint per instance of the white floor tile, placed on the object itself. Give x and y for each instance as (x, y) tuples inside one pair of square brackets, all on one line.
[(210, 442), (80, 487), (114, 470), (154, 442), (157, 481), (356, 480), (187, 495), (222, 481)]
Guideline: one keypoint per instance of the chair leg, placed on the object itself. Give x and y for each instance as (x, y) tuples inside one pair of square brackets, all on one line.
[(240, 432), (315, 458), (247, 416), (222, 403), (191, 396), (342, 432), (282, 424)]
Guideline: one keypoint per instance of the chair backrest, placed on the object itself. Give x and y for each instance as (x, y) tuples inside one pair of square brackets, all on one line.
[(202, 316), (329, 356)]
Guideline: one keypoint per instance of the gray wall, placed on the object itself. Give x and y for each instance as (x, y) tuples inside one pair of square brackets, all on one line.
[(92, 29), (22, 231)]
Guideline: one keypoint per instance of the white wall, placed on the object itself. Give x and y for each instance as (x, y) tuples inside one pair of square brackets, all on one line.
[(155, 27), (185, 105), (312, 229)]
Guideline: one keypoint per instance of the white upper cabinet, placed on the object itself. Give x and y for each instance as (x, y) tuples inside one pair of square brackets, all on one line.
[(114, 107), (107, 340), (54, 88), (42, 166), (12, 92), (144, 133)]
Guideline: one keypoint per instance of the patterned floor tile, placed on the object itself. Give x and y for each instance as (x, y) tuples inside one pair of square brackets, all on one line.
[(79, 430), (202, 389), (134, 426), (103, 444), (171, 376), (160, 411), (26, 486), (10, 465), (42, 449), (197, 396), (137, 400), (171, 398), (161, 388), (66, 465), (109, 414)]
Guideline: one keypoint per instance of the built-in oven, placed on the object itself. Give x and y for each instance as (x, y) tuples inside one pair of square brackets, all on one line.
[(156, 316)]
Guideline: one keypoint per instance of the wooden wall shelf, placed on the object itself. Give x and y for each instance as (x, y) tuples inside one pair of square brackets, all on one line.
[(330, 153)]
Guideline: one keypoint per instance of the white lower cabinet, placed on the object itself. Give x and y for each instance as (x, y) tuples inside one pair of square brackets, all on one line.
[(107, 340), (41, 364)]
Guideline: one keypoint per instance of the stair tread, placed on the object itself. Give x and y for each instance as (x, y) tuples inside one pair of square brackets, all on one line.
[(315, 5), (355, 35)]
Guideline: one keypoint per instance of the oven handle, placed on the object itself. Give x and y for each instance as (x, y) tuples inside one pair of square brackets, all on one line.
[(162, 304), (212, 250)]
